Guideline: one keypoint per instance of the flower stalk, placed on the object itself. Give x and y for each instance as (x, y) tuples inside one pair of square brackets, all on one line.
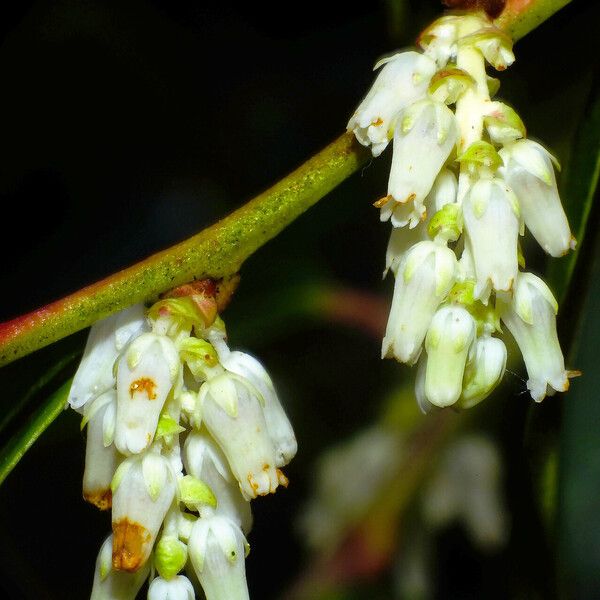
[(220, 250)]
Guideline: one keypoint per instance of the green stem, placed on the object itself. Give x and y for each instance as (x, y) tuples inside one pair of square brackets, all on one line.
[(215, 252), (221, 249), (522, 16)]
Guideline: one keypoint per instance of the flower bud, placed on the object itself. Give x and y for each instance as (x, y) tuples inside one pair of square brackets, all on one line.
[(170, 556), (233, 415), (531, 319), (178, 588), (106, 339), (110, 584), (448, 341), (484, 370), (529, 172), (491, 221), (143, 489), (217, 549), (423, 280), (403, 80), (145, 376), (203, 459), (424, 137), (101, 455)]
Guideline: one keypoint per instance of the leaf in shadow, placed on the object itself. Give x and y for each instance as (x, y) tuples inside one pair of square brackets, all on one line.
[(22, 440)]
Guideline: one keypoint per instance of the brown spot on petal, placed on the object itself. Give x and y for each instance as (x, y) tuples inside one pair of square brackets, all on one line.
[(377, 122), (410, 198), (131, 545), (144, 384), (101, 499), (574, 373)]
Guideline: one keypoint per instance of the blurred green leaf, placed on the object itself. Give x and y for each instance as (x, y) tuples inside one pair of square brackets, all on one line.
[(18, 405), (579, 459), (579, 185), (579, 477), (17, 446)]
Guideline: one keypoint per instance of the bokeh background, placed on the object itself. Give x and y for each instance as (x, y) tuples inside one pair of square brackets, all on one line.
[(128, 126)]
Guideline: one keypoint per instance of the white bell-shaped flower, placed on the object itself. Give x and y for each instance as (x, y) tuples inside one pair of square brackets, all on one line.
[(146, 373), (101, 455), (110, 584), (402, 81), (423, 280), (217, 549), (106, 339), (204, 460), (484, 370), (403, 238), (233, 414), (143, 489), (448, 341), (178, 588), (491, 221), (278, 424), (531, 319), (529, 172), (425, 135)]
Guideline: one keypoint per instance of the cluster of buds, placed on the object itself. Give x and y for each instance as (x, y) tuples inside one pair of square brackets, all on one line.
[(464, 184), (182, 433)]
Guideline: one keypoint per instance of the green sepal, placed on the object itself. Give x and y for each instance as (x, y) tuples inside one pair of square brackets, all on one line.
[(167, 426), (182, 310), (505, 121), (493, 84), (199, 355), (447, 222), (194, 492), (486, 317), (462, 292), (118, 476), (449, 84), (481, 154)]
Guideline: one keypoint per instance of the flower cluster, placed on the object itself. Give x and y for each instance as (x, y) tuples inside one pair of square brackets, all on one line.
[(463, 186), (182, 433)]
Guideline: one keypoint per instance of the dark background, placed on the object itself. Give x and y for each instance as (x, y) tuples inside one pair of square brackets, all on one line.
[(128, 126)]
